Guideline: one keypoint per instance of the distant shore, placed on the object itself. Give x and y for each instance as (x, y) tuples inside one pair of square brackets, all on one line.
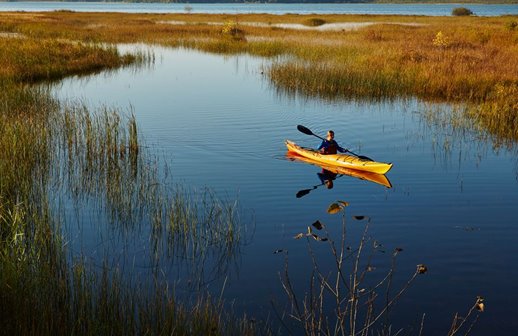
[(464, 2)]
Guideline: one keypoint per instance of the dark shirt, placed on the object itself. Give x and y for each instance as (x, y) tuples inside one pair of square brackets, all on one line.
[(331, 147)]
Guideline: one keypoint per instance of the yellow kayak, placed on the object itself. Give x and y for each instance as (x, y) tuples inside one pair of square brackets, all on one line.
[(362, 175), (339, 160)]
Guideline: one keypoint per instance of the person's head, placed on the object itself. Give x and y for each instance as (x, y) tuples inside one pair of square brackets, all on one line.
[(330, 135)]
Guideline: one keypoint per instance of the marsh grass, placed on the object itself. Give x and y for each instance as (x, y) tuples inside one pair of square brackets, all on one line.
[(499, 115), (99, 156), (51, 151), (204, 216), (314, 22), (31, 59), (206, 231), (480, 53), (474, 59), (42, 293), (59, 149), (493, 121), (24, 139)]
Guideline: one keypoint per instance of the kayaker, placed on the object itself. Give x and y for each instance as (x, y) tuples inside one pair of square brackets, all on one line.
[(330, 146)]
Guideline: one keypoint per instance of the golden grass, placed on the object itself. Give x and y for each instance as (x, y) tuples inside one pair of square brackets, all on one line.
[(30, 59), (398, 56), (455, 59)]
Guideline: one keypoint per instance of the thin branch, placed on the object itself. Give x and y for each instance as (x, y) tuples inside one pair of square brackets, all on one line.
[(422, 325), (454, 330), (472, 325), (394, 299)]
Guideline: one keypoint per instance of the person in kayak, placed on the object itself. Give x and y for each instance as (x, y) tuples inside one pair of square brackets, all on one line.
[(330, 146)]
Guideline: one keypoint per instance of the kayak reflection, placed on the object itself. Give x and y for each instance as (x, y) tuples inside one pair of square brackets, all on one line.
[(329, 174)]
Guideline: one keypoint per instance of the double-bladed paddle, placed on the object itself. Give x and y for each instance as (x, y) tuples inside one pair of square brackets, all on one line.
[(307, 131)]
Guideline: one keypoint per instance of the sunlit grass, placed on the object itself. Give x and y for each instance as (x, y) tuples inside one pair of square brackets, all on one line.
[(31, 59), (454, 59), (498, 115)]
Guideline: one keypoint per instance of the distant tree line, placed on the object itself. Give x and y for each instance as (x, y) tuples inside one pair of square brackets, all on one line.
[(213, 1), (293, 1)]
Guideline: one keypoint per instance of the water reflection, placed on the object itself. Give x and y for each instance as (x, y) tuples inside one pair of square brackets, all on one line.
[(119, 208), (326, 178)]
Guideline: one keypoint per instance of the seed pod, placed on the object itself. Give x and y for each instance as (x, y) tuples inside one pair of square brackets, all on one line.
[(421, 269), (480, 304)]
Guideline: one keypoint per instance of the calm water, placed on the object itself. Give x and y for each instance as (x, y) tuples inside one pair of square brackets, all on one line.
[(219, 123), (398, 9)]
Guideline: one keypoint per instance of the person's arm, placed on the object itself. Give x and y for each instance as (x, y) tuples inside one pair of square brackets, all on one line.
[(322, 145)]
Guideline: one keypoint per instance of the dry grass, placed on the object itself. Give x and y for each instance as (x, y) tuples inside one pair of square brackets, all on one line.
[(398, 56), (33, 59), (349, 296), (456, 59)]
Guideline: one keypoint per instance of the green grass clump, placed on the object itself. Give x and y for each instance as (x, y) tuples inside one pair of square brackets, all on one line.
[(461, 11), (30, 60), (24, 139), (511, 25), (314, 22)]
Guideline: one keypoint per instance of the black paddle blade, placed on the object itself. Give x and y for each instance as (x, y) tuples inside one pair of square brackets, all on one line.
[(303, 192), (304, 130)]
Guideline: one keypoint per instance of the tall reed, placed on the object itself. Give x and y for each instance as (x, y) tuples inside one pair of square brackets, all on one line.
[(499, 115), (52, 151)]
